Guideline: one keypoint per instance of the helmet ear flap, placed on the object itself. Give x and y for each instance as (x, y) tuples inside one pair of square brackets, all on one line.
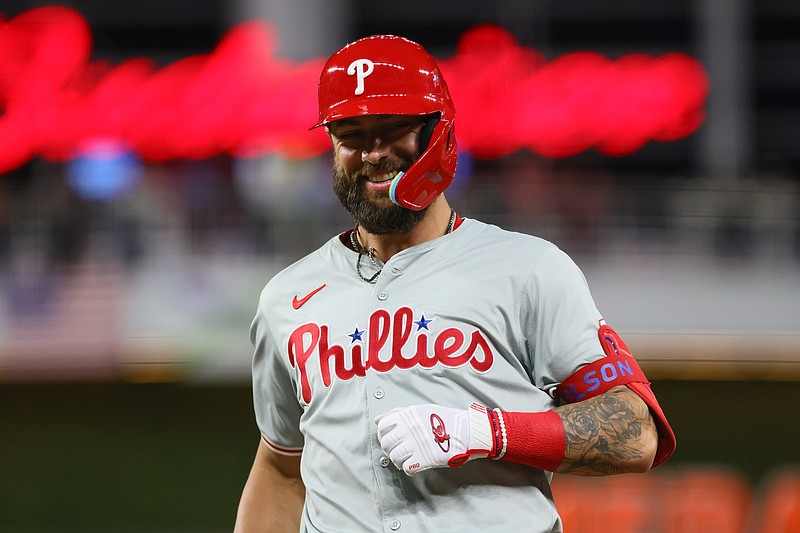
[(431, 173)]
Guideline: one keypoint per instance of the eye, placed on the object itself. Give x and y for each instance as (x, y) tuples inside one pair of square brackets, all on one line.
[(349, 134)]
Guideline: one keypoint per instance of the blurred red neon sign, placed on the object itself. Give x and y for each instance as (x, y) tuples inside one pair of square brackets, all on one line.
[(243, 100)]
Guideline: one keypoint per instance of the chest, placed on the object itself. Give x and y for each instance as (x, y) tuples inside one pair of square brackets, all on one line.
[(412, 322)]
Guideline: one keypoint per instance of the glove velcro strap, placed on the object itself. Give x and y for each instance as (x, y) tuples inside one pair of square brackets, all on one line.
[(481, 436)]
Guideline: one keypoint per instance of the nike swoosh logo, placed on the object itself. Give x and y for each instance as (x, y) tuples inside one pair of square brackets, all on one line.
[(298, 303)]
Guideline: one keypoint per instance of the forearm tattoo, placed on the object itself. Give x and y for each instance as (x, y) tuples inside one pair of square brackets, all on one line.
[(605, 433)]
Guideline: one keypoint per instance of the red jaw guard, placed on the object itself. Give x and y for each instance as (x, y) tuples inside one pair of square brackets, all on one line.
[(431, 174)]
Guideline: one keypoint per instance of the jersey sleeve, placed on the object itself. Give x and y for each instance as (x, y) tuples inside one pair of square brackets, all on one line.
[(275, 401), (559, 318)]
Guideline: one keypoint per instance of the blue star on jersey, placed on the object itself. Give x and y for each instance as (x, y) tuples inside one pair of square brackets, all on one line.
[(422, 323), (356, 335)]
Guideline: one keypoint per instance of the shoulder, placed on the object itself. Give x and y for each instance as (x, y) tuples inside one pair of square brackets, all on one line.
[(295, 277), (516, 255), (503, 244)]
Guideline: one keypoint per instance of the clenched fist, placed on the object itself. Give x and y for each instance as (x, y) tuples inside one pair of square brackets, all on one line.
[(421, 437)]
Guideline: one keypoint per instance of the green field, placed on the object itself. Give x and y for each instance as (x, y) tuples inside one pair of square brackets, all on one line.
[(172, 458)]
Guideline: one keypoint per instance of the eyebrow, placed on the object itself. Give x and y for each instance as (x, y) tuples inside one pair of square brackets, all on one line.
[(345, 122)]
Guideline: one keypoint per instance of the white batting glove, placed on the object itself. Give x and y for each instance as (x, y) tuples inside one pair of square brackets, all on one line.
[(422, 437)]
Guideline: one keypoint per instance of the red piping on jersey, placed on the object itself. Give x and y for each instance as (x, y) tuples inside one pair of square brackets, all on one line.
[(280, 449)]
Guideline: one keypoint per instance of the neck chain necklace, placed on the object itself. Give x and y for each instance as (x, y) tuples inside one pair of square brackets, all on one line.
[(370, 252)]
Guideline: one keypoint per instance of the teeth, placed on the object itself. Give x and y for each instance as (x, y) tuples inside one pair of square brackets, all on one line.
[(379, 178)]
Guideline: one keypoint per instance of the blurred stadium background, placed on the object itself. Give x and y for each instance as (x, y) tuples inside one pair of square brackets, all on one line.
[(130, 266)]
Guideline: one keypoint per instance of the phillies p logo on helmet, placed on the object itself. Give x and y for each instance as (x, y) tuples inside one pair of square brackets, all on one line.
[(360, 68)]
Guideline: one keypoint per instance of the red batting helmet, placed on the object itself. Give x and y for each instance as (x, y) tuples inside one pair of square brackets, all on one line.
[(388, 75)]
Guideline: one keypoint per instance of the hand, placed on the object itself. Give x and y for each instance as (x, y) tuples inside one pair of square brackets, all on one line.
[(422, 437)]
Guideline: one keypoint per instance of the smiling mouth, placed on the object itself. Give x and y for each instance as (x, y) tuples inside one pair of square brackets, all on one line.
[(383, 177)]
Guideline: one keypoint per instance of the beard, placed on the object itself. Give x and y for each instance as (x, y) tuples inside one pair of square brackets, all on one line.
[(378, 214)]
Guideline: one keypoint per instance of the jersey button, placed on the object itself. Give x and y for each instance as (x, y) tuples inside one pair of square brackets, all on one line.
[(395, 525), (396, 270), (384, 461), (378, 393), (382, 296)]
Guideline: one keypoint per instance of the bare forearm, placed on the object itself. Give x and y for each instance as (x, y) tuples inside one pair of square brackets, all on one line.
[(613, 433), (276, 508), (272, 499)]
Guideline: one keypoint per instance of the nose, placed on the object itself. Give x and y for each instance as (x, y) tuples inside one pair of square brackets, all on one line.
[(377, 152)]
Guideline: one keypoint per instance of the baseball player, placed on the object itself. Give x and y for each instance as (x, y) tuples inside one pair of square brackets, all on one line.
[(424, 371)]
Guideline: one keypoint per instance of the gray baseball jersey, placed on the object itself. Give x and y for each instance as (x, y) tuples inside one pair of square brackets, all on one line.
[(480, 314)]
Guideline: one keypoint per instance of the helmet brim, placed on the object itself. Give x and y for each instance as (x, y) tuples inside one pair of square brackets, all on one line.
[(384, 104)]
